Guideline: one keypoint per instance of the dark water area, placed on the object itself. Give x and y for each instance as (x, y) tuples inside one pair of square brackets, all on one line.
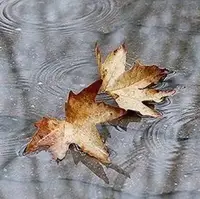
[(47, 49)]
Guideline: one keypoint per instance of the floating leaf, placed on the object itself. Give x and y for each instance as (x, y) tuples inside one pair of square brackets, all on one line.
[(82, 115), (131, 88)]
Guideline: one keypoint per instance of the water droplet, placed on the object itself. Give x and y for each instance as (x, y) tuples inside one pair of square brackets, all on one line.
[(18, 29), (185, 175)]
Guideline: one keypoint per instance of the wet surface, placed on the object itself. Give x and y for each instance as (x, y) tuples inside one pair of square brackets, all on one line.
[(47, 49)]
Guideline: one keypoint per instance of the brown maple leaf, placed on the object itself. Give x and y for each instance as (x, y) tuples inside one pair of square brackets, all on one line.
[(82, 115), (131, 88)]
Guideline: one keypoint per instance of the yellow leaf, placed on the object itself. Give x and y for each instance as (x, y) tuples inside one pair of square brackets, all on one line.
[(131, 88)]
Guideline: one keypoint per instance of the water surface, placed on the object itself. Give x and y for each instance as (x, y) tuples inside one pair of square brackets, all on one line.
[(47, 49)]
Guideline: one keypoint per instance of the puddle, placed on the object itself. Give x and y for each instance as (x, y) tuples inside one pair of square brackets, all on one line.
[(47, 49)]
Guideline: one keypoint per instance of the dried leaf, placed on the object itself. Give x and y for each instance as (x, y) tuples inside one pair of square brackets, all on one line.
[(82, 115), (131, 88)]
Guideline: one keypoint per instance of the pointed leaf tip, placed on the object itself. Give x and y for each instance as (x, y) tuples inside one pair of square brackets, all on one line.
[(71, 94), (96, 46), (42, 122), (92, 89), (122, 47)]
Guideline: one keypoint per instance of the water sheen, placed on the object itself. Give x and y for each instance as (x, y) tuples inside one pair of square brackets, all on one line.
[(47, 49)]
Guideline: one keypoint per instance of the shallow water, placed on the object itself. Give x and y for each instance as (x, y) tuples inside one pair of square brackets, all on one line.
[(47, 49)]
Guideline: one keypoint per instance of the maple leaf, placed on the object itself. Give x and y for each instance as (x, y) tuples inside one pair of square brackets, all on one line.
[(82, 115), (131, 88)]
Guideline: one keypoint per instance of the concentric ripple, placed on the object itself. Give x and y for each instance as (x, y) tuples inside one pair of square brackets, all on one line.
[(165, 138), (12, 132), (56, 15), (58, 77), (165, 149)]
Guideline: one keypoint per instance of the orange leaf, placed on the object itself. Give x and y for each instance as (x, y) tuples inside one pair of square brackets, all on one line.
[(82, 115)]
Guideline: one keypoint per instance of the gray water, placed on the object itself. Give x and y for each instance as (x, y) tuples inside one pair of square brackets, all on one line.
[(47, 49)]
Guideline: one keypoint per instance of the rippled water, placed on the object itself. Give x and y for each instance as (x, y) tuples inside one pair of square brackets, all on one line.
[(47, 49)]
